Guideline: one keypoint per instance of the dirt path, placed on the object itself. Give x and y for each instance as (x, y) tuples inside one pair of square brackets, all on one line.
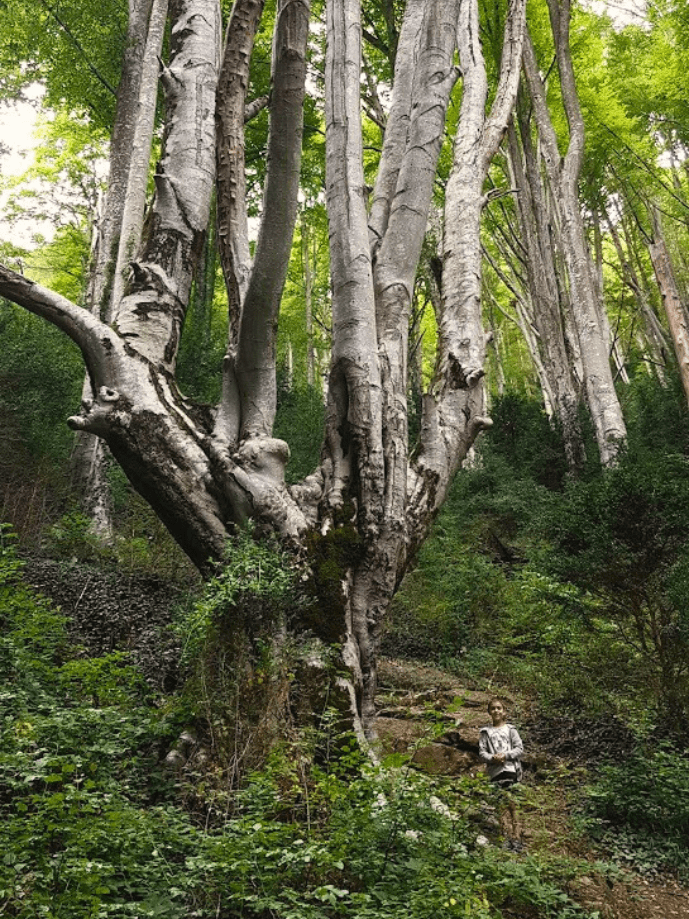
[(432, 715)]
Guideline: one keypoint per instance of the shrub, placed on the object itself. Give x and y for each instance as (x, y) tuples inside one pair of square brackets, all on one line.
[(640, 809)]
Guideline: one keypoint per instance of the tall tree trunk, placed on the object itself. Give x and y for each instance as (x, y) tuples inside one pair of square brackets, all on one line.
[(537, 229), (674, 309), (308, 303), (654, 334), (563, 174), (124, 205)]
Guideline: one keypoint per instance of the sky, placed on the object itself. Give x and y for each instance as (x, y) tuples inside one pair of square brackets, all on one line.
[(17, 124)]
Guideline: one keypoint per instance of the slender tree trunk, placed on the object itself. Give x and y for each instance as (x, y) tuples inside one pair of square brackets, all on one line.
[(563, 174), (654, 334), (674, 309), (90, 456), (554, 359), (308, 303)]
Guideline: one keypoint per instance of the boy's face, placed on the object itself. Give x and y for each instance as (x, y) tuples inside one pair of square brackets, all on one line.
[(497, 712)]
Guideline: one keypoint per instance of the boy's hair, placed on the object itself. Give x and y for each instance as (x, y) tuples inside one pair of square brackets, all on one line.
[(496, 699)]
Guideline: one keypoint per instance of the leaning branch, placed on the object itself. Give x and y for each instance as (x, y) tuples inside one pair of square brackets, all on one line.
[(95, 339)]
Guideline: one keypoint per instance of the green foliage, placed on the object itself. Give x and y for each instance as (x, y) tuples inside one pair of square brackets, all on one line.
[(524, 437), (74, 49), (92, 827), (576, 592), (59, 191), (255, 586), (142, 544), (86, 827), (640, 810), (299, 421), (623, 538), (43, 371), (238, 655), (435, 616)]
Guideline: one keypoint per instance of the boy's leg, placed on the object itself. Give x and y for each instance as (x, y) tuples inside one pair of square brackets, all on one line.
[(516, 833)]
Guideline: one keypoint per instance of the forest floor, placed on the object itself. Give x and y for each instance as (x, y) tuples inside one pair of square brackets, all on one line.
[(427, 713), (436, 718)]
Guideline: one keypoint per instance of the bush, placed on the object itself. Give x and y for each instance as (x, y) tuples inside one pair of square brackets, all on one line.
[(526, 440), (88, 827), (623, 539), (640, 809), (92, 826)]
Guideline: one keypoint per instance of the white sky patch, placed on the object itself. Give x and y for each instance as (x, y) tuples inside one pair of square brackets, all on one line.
[(622, 12), (17, 125)]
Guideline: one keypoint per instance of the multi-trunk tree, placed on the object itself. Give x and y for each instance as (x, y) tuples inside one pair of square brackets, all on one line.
[(208, 471)]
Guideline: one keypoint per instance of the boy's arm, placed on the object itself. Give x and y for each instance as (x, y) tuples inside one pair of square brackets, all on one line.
[(516, 750), (484, 753)]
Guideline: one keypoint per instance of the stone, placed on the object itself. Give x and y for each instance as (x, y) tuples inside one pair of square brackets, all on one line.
[(441, 759)]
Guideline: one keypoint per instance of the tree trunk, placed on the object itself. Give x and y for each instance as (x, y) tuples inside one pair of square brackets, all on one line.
[(362, 515), (674, 309), (563, 175), (541, 266), (654, 332), (128, 148)]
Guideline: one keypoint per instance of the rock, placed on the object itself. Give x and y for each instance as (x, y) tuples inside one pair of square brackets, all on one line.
[(466, 740), (441, 759), (175, 761), (397, 735)]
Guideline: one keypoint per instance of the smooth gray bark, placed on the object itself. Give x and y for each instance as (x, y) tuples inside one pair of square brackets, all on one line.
[(537, 226), (674, 308), (563, 174), (89, 455)]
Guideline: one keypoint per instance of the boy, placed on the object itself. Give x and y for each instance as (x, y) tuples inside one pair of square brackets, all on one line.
[(501, 748)]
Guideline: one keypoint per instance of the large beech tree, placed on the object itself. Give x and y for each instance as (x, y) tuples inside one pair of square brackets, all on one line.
[(207, 471)]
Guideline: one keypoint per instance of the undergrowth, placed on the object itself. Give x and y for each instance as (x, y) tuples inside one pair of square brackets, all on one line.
[(92, 825), (639, 810)]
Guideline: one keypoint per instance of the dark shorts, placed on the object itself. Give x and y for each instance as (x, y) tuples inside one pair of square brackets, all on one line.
[(505, 781)]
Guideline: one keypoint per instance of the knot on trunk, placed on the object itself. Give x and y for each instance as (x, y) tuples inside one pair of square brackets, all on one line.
[(264, 456), (100, 415), (460, 378)]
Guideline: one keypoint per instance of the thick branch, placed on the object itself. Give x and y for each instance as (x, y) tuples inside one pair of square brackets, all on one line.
[(546, 131), (140, 155), (230, 115), (454, 416), (256, 352), (121, 146), (506, 93), (434, 77), (152, 313), (559, 19), (95, 339), (354, 424), (397, 127)]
